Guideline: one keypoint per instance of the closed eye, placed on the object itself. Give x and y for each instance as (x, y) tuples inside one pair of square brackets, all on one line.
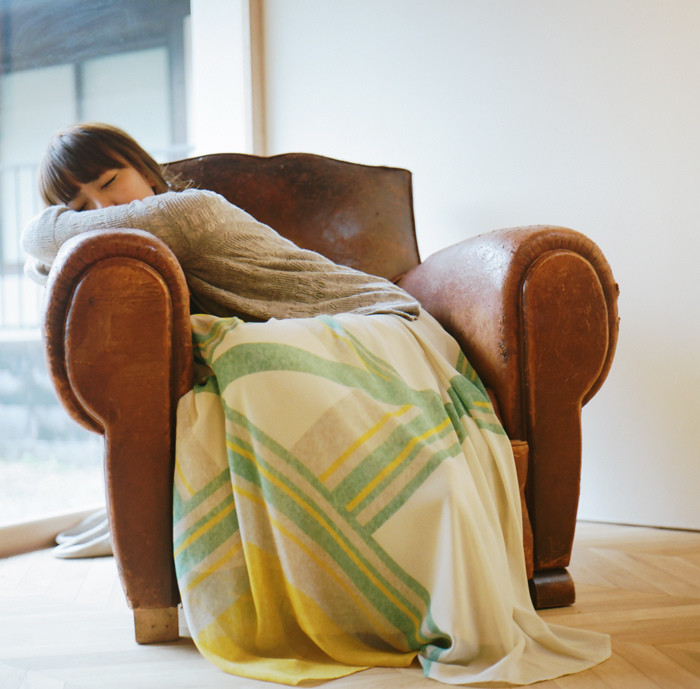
[(109, 181)]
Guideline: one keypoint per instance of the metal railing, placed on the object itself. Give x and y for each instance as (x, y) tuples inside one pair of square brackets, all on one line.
[(20, 298)]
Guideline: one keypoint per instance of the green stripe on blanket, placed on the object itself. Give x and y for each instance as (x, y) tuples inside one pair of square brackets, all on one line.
[(344, 497)]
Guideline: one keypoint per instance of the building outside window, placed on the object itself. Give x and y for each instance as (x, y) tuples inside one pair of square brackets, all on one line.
[(125, 62)]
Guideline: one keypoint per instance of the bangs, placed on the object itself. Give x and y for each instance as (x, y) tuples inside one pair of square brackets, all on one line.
[(81, 153), (67, 166)]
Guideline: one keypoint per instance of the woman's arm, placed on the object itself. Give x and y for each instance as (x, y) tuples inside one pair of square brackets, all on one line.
[(233, 263), (37, 271), (175, 217)]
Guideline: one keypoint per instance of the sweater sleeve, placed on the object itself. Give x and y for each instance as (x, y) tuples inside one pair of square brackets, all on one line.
[(37, 271), (234, 264), (174, 217)]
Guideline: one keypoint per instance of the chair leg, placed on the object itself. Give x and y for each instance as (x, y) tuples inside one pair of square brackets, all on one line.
[(552, 588), (156, 625)]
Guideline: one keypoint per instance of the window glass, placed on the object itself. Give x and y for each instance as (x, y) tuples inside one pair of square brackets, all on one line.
[(121, 88), (126, 64)]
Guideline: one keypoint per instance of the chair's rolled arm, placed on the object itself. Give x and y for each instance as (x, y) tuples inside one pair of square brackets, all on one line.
[(478, 290), (535, 311), (85, 254), (119, 350)]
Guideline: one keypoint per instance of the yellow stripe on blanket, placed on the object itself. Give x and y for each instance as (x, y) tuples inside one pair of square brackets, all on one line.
[(351, 501), (394, 464), (331, 530), (273, 618), (362, 440), (205, 527), (322, 564)]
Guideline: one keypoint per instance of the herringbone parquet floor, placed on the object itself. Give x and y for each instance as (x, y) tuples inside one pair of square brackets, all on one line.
[(64, 624), (642, 586)]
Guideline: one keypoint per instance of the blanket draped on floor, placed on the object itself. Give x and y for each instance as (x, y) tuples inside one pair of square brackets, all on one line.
[(345, 498)]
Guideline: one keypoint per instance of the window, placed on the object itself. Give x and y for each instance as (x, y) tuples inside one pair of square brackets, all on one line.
[(181, 76), (121, 61)]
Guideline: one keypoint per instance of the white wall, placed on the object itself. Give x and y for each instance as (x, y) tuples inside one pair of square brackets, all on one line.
[(508, 112)]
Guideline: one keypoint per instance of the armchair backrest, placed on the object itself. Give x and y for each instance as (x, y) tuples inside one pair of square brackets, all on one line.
[(357, 215)]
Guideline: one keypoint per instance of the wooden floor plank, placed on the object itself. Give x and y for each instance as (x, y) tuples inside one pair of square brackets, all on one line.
[(673, 574), (658, 667), (620, 570), (686, 656), (618, 673), (65, 625)]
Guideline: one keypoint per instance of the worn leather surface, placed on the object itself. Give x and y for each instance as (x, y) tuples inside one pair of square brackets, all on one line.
[(521, 453), (534, 309), (475, 289), (566, 343), (119, 348), (357, 215)]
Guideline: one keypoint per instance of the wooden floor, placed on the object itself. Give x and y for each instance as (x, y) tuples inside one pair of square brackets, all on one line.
[(64, 624)]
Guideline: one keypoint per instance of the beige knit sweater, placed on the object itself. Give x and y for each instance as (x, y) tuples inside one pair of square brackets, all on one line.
[(234, 265)]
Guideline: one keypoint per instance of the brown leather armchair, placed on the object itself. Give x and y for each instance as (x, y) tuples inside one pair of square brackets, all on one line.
[(534, 309)]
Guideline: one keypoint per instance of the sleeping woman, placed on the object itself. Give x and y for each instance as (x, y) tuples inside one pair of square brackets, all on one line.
[(344, 495)]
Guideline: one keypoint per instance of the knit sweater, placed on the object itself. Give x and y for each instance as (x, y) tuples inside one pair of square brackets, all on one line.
[(234, 265)]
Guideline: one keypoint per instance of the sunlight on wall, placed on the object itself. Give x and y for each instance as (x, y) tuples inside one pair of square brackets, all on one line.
[(512, 113)]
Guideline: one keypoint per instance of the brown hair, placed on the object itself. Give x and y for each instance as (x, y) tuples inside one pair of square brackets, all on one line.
[(82, 152)]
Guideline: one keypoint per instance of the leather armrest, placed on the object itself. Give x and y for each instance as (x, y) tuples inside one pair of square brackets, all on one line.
[(535, 311), (119, 351), (477, 289), (79, 259)]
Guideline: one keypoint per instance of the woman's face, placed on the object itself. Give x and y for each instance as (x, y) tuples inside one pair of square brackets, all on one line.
[(112, 188)]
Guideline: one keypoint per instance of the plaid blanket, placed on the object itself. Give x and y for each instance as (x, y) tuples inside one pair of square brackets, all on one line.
[(345, 498)]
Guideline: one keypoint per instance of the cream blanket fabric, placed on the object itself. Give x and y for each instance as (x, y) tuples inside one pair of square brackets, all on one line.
[(345, 498)]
